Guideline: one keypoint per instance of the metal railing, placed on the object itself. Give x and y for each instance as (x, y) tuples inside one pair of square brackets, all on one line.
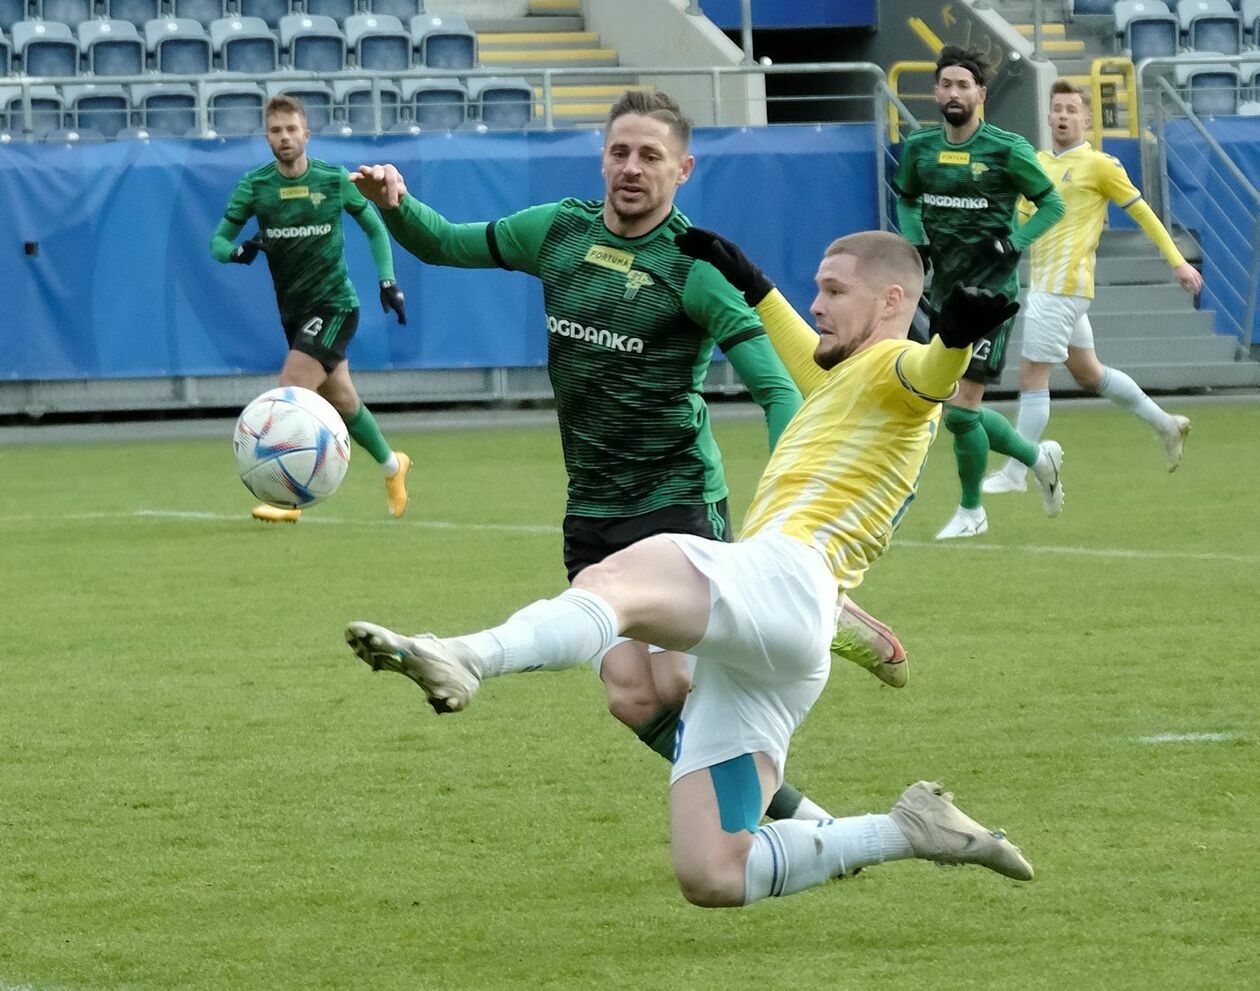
[(1099, 77), (1241, 213)]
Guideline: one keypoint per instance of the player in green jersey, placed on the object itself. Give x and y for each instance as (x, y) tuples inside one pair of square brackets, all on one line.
[(632, 323), (298, 202), (958, 186)]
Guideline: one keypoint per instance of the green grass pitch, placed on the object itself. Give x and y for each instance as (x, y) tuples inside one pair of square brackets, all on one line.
[(200, 787)]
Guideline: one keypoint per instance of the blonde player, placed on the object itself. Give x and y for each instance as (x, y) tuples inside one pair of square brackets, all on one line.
[(1056, 321), (758, 613)]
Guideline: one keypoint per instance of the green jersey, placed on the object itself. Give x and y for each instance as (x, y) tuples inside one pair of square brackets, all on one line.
[(300, 222), (967, 193), (631, 326)]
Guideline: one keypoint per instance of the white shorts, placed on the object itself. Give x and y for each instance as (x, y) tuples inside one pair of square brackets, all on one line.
[(1053, 322), (766, 655)]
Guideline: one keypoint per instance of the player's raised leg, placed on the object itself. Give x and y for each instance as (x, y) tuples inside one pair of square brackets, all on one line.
[(870, 644)]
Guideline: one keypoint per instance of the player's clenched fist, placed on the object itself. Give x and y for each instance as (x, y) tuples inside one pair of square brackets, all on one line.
[(382, 184)]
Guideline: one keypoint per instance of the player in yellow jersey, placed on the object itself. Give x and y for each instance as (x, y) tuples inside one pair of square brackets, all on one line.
[(1056, 321), (758, 613)]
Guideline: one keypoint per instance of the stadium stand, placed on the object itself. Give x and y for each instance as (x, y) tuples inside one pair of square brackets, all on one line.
[(436, 104), (1146, 29), (178, 46), (244, 44), (165, 109), (1250, 11), (139, 12), (268, 11), (235, 108), (404, 10), (338, 10), (71, 13), (6, 55), (356, 105), (46, 113), (45, 48), (204, 12), (1210, 26), (101, 108), (312, 43), (317, 97), (502, 102), (1212, 90), (11, 11), (111, 48), (444, 42)]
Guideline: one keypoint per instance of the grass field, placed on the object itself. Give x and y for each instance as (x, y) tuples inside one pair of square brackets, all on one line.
[(200, 787)]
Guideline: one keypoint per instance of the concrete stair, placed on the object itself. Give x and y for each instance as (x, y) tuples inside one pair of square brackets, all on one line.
[(1146, 325)]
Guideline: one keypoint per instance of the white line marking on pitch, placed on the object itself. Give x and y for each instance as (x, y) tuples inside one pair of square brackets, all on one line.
[(1190, 738), (950, 546)]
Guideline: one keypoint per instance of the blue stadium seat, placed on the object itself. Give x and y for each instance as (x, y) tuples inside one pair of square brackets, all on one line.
[(316, 97), (338, 10), (46, 111), (69, 12), (379, 41), (235, 109), (404, 10), (357, 104), (1212, 90), (436, 104), (102, 108), (139, 12), (1250, 81), (6, 55), (502, 103), (178, 46), (268, 10), (111, 48), (444, 41), (204, 12), (1147, 29), (165, 109), (46, 48), (1250, 10), (313, 44), (1092, 7), (245, 44), (1210, 26), (11, 11)]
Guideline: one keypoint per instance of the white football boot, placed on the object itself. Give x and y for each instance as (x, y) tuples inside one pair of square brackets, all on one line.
[(448, 671), (965, 523), (938, 830), (1046, 471), (1175, 440), (1011, 477)]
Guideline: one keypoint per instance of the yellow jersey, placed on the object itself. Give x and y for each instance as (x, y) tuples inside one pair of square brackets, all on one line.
[(1062, 259), (845, 470)]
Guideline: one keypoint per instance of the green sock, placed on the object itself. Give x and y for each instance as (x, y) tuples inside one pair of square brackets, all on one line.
[(658, 733), (367, 434), (1005, 439), (971, 451)]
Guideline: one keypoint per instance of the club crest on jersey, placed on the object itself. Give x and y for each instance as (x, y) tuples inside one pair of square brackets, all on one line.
[(317, 198), (613, 258), (977, 170), (636, 281)]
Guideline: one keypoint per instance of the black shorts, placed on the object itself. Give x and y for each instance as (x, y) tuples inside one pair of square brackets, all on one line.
[(323, 334), (590, 539), (988, 356)]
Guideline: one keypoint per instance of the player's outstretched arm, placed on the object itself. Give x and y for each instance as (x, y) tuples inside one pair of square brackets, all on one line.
[(378, 240), (1187, 275), (791, 336), (967, 315)]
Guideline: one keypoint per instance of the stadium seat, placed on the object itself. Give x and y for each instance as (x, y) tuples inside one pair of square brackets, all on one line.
[(1146, 29), (11, 11), (165, 109), (178, 46), (338, 10), (436, 104), (1249, 109), (379, 41), (1250, 74), (337, 129), (1093, 7), (404, 10), (45, 116), (1250, 10), (358, 108), (72, 13), (1212, 89), (1210, 26), (269, 11), (6, 55), (45, 48), (102, 108), (204, 12), (235, 109), (502, 102), (316, 97), (444, 41), (313, 44), (139, 12), (245, 44), (111, 48)]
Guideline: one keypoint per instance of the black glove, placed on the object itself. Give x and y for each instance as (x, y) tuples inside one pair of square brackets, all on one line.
[(969, 314), (999, 250), (245, 252), (925, 256), (392, 299), (726, 257)]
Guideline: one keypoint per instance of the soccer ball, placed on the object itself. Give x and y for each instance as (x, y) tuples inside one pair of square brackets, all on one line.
[(292, 448)]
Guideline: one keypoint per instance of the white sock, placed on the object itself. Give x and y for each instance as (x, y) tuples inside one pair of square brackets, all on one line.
[(1030, 423), (391, 466), (1124, 392), (792, 854), (550, 635), (808, 809)]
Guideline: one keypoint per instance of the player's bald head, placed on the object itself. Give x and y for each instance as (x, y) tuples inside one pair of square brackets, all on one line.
[(883, 260)]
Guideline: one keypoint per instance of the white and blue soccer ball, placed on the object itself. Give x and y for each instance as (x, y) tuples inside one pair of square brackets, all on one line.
[(292, 448)]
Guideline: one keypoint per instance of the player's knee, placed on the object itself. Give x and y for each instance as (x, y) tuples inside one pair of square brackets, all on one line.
[(705, 887), (632, 705), (959, 420), (672, 687)]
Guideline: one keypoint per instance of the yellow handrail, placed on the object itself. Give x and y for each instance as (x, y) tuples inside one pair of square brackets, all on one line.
[(894, 74), (1096, 100)]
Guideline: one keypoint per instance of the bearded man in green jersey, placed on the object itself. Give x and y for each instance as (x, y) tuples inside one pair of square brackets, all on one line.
[(298, 202), (632, 323), (958, 186)]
